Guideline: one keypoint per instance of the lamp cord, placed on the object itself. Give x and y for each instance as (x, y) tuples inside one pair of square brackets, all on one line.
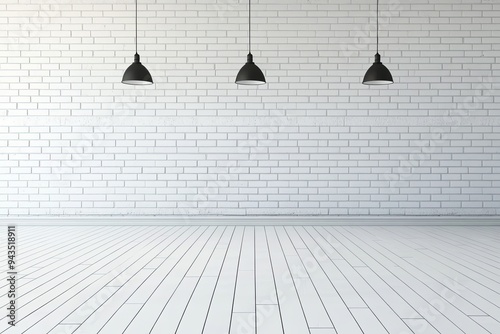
[(135, 26), (377, 25), (249, 26)]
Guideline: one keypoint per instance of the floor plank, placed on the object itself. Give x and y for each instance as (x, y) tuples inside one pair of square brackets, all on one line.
[(293, 317), (165, 280), (339, 313), (169, 319), (196, 311), (221, 307), (368, 321)]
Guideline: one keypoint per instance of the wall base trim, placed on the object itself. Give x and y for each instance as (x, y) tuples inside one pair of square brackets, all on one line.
[(251, 220)]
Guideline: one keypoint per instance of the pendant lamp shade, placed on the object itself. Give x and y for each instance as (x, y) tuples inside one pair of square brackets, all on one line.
[(378, 74), (250, 74), (137, 74)]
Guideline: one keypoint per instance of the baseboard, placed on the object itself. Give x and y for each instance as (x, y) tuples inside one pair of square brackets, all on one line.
[(251, 220)]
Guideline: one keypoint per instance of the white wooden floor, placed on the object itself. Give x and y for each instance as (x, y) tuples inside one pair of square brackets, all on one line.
[(255, 279)]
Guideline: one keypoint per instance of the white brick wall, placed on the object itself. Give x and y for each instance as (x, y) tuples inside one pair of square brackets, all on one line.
[(314, 140)]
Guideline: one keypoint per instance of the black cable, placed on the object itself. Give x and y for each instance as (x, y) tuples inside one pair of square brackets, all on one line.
[(377, 25), (249, 26), (135, 26)]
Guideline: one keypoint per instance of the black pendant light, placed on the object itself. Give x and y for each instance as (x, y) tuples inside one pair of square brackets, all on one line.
[(250, 74), (378, 74), (137, 74)]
